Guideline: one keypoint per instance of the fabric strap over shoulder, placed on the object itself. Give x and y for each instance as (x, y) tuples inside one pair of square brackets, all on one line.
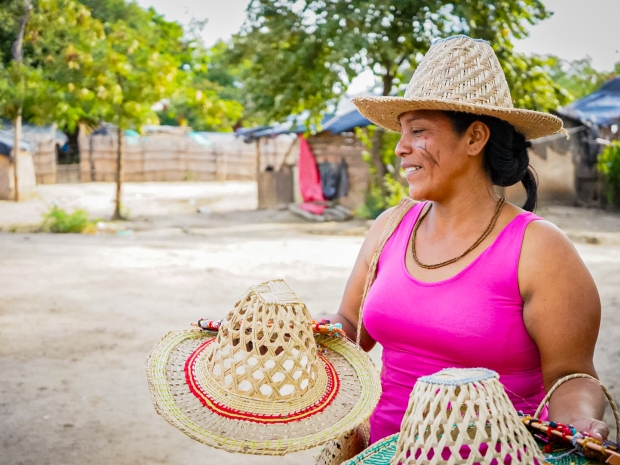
[(396, 216)]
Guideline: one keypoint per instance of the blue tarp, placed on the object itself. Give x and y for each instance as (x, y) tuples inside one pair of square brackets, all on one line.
[(601, 107), (6, 144), (346, 122)]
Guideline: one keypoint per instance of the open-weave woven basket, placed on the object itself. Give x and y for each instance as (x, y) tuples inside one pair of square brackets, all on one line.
[(264, 383), (457, 417)]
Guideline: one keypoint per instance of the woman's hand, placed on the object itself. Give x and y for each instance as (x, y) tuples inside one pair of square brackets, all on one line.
[(591, 427)]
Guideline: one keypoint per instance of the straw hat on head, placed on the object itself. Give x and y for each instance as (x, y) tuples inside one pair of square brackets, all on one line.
[(457, 416), (459, 74), (264, 383)]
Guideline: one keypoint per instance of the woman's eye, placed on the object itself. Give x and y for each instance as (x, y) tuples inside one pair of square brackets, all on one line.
[(417, 132)]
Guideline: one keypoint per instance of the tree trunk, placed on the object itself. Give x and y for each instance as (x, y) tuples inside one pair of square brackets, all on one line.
[(119, 176), (377, 138), (91, 157), (17, 135), (17, 125), (377, 159)]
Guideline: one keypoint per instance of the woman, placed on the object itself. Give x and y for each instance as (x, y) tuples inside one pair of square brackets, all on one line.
[(467, 280)]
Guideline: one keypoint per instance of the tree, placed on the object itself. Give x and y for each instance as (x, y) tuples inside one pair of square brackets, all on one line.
[(578, 77), (111, 63), (14, 82), (304, 54)]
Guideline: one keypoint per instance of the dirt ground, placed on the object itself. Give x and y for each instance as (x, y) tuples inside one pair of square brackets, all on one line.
[(79, 313)]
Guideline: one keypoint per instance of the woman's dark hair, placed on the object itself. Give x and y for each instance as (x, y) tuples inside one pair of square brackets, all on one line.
[(505, 155)]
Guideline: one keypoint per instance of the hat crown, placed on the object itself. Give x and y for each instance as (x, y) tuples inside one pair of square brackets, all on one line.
[(461, 69), (460, 407), (265, 348)]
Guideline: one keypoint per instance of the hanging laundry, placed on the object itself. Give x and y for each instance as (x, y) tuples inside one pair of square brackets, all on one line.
[(309, 179)]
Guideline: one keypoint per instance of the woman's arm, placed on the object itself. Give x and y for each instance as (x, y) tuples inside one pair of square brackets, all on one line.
[(562, 313), (348, 313)]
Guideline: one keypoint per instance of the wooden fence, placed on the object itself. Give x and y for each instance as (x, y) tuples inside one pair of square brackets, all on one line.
[(168, 157)]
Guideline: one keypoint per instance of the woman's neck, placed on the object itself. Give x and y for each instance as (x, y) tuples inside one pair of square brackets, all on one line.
[(468, 210)]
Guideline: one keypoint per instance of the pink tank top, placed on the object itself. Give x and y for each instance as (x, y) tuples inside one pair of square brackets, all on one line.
[(474, 319)]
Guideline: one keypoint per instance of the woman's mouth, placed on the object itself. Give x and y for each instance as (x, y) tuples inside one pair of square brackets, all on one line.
[(411, 169)]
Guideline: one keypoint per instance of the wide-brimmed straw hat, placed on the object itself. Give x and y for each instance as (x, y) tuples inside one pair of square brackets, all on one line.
[(459, 74), (456, 416), (264, 383)]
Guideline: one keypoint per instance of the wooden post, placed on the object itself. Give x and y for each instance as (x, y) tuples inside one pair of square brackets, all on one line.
[(17, 135), (18, 56), (119, 176)]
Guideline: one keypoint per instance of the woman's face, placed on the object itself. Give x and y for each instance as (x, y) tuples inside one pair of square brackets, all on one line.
[(434, 157)]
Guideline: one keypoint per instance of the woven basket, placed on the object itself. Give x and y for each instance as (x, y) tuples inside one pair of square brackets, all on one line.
[(577, 449), (457, 417)]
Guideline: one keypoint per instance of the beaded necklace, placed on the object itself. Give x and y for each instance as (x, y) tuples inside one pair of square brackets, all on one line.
[(490, 227)]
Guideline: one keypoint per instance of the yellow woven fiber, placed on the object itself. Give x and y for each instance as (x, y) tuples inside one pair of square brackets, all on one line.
[(462, 407), (459, 74), (264, 361)]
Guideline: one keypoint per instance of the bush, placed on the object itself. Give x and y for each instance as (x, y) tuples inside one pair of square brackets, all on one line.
[(58, 220), (609, 166)]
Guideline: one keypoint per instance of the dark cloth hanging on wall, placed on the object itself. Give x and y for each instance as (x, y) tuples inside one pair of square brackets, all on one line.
[(334, 179), (343, 186)]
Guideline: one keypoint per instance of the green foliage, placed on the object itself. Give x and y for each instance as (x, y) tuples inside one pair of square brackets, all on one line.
[(105, 60), (609, 166), (57, 220), (577, 77), (304, 54), (379, 199)]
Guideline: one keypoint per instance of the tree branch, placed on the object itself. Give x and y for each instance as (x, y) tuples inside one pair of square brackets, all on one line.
[(18, 55)]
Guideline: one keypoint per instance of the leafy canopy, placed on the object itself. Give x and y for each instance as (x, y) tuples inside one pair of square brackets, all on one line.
[(305, 53), (104, 60)]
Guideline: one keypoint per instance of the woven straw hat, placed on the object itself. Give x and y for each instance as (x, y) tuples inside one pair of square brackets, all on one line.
[(459, 74), (264, 384), (453, 408)]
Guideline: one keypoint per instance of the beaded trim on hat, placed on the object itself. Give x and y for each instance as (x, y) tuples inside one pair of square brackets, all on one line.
[(457, 378)]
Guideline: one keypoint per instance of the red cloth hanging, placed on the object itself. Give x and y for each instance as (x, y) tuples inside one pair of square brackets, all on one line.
[(309, 177)]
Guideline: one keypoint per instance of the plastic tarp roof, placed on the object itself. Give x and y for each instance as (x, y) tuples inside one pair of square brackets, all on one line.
[(6, 144), (346, 122), (601, 107)]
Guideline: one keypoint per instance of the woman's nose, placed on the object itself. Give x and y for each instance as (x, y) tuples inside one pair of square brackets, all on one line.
[(402, 148)]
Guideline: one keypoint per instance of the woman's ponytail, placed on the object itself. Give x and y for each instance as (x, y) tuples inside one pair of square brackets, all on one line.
[(506, 156)]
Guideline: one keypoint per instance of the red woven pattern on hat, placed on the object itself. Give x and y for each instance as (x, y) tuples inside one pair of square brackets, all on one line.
[(333, 386)]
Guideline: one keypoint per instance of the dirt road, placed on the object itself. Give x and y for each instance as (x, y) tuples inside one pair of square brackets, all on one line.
[(78, 315)]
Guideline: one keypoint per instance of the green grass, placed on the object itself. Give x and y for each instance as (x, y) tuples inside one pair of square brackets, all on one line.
[(57, 220)]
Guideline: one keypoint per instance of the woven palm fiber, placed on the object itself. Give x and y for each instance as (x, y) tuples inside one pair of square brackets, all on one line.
[(355, 441), (463, 407), (459, 74), (264, 384)]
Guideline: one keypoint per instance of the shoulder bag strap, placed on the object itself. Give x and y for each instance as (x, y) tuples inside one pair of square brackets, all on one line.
[(396, 216)]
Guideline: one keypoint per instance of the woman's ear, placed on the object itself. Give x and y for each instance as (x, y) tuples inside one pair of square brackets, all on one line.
[(477, 137)]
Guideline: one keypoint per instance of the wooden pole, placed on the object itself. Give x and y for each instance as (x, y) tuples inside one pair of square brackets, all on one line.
[(119, 176), (18, 56)]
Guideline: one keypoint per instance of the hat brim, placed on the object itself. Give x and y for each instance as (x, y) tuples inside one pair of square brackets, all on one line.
[(385, 112), (173, 399), (379, 453)]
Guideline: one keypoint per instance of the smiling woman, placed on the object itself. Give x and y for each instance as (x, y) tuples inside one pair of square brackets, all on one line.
[(463, 278)]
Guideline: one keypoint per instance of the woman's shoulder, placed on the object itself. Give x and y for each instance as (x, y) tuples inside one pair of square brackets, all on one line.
[(548, 255), (381, 222)]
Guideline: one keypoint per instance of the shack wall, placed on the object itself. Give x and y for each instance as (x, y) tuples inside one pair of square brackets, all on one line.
[(555, 160), (333, 148)]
